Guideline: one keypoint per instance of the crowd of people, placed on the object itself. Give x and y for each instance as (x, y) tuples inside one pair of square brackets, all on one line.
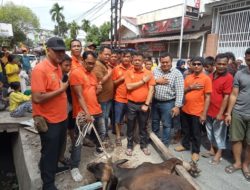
[(115, 87)]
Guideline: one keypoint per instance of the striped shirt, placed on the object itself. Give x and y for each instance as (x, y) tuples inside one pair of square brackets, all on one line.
[(173, 90)]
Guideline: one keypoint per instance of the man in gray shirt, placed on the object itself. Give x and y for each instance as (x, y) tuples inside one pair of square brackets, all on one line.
[(238, 115), (168, 96)]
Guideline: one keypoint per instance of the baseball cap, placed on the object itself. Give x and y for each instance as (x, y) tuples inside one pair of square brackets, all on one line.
[(90, 44), (56, 43)]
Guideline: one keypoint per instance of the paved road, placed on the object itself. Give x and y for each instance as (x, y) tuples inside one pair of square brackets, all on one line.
[(213, 177)]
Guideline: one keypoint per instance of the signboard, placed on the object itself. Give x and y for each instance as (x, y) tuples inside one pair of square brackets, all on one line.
[(164, 26), (192, 12), (6, 30)]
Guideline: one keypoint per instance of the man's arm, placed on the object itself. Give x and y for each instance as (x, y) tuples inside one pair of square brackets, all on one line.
[(179, 83), (232, 100), (206, 105), (78, 90), (223, 107), (149, 98), (106, 77), (135, 85), (41, 97)]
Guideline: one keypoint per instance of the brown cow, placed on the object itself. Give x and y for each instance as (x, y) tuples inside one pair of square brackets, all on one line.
[(146, 176)]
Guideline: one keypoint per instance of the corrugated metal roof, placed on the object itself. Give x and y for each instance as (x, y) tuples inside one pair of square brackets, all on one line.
[(191, 36)]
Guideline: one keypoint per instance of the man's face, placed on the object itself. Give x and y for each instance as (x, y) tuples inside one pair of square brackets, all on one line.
[(197, 67), (89, 63), (66, 65), (105, 55), (126, 59), (56, 56), (148, 65), (221, 65), (209, 68), (76, 48), (166, 63), (137, 62), (247, 59), (113, 58)]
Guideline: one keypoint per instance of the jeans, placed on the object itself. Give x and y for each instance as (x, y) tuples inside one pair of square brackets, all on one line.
[(106, 108), (21, 109), (135, 112), (161, 111), (51, 142), (120, 111), (191, 129), (76, 150)]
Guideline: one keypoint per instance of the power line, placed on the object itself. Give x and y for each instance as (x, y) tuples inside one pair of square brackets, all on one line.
[(99, 15), (98, 10)]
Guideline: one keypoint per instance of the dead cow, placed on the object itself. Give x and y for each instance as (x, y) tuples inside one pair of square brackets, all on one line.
[(146, 176)]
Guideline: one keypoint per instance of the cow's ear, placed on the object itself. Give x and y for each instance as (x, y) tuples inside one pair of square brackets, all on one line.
[(119, 162)]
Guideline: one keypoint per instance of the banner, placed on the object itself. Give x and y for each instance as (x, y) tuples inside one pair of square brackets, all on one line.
[(6, 30)]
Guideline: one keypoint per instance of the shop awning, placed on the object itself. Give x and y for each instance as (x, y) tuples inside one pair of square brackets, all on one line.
[(191, 36)]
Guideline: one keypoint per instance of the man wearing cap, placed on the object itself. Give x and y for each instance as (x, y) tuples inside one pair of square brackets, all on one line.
[(90, 47), (197, 89), (49, 102)]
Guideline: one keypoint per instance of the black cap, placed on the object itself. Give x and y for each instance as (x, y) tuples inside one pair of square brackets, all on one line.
[(56, 43)]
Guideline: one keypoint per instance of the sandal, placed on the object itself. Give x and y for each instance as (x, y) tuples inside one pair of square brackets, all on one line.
[(246, 175), (129, 152), (207, 154), (146, 151), (231, 169), (118, 142)]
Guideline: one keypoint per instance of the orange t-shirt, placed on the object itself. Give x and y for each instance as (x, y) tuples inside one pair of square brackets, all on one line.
[(140, 94), (195, 99), (121, 89), (46, 78), (88, 81)]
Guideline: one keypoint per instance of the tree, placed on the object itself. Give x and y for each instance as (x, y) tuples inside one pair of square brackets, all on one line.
[(56, 15), (22, 20), (95, 34), (85, 25), (74, 28)]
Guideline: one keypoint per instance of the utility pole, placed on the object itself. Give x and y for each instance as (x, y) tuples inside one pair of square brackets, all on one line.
[(116, 7), (182, 26)]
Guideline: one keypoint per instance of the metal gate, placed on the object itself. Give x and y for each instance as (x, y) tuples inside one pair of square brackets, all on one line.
[(231, 21)]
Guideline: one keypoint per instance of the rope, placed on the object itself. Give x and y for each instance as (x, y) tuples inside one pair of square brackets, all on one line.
[(85, 127)]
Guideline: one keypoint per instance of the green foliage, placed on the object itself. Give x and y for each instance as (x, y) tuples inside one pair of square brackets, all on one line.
[(96, 34), (57, 16), (74, 28), (21, 18)]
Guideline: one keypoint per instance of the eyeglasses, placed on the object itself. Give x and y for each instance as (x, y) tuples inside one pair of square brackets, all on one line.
[(196, 64)]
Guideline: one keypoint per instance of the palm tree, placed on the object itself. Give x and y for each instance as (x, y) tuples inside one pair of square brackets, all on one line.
[(85, 25), (56, 15), (74, 29)]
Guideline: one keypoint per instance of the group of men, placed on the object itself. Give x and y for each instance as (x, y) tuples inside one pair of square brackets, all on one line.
[(99, 85)]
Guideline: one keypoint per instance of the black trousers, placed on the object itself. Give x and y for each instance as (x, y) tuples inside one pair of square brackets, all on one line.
[(191, 129), (51, 143), (135, 112)]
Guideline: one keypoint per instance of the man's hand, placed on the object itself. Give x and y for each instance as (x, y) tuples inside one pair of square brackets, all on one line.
[(196, 86), (144, 108), (89, 118), (228, 119), (64, 85), (146, 78), (175, 111), (162, 80), (219, 117), (203, 118), (98, 88)]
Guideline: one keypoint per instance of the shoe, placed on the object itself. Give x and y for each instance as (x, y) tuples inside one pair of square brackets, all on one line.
[(62, 169), (180, 148), (87, 142), (195, 157), (76, 175), (99, 152)]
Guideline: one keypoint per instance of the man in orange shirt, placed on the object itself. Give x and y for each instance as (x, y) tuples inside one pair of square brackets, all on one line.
[(197, 89), (49, 101), (84, 97), (118, 76), (140, 87)]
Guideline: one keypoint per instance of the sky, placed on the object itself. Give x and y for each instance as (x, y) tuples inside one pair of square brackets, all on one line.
[(76, 9)]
